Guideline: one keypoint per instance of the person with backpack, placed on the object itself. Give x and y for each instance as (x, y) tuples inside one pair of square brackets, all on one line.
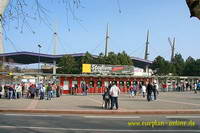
[(106, 99)]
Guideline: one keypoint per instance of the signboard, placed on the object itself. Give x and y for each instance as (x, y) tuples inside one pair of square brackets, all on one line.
[(138, 71), (107, 69)]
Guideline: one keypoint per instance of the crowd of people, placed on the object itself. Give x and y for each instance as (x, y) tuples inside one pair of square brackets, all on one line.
[(148, 90), (181, 86), (41, 90)]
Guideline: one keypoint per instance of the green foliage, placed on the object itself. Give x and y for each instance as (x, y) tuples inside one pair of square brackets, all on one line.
[(194, 7), (189, 67), (87, 59), (197, 67), (117, 59), (111, 59), (101, 59), (178, 66), (161, 66), (124, 59), (69, 64)]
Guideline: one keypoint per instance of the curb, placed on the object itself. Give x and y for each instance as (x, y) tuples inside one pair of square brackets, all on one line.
[(101, 112)]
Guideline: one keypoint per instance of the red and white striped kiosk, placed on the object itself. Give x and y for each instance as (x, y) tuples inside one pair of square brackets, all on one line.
[(98, 81)]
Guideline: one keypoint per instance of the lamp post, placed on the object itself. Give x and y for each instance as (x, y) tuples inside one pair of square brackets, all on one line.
[(39, 46)]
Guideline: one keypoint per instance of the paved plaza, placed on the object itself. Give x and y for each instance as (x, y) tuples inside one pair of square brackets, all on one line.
[(165, 101)]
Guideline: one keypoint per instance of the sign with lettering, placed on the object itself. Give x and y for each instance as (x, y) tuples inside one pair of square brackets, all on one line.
[(107, 69)]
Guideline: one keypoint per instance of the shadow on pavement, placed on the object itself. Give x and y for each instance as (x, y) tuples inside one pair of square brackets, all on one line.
[(90, 107), (133, 99)]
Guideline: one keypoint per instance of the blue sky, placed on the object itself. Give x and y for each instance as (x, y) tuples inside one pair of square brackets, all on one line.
[(164, 18)]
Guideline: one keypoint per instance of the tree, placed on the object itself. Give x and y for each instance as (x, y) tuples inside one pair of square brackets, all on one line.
[(112, 59), (67, 65), (87, 59), (194, 7), (124, 59), (115, 59), (190, 67), (178, 63), (197, 67), (161, 66), (101, 59)]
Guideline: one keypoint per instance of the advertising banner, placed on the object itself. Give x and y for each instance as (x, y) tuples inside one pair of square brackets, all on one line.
[(107, 69)]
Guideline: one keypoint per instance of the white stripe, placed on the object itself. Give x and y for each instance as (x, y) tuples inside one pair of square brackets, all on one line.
[(94, 130), (113, 117), (194, 117), (32, 115)]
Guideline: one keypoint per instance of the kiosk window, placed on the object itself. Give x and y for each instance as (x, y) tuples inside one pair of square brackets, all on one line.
[(99, 84), (121, 83), (114, 82), (134, 82), (91, 84), (128, 83)]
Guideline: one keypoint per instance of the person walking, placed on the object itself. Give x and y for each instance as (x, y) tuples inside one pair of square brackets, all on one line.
[(131, 91), (6, 91), (42, 90), (10, 92), (143, 90), (1, 91), (154, 90), (19, 91), (32, 91), (54, 87), (49, 89), (114, 93), (149, 91), (195, 88), (58, 91)]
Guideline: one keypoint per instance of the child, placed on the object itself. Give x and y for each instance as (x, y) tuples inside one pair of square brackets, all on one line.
[(106, 98)]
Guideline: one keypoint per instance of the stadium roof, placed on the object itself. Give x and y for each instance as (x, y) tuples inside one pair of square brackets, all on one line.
[(31, 58)]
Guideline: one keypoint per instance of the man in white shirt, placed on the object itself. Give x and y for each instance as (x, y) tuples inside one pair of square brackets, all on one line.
[(18, 91), (114, 93)]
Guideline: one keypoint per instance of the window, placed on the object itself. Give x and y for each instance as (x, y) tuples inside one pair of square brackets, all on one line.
[(121, 83), (91, 84), (135, 82), (114, 82), (99, 84), (128, 84)]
